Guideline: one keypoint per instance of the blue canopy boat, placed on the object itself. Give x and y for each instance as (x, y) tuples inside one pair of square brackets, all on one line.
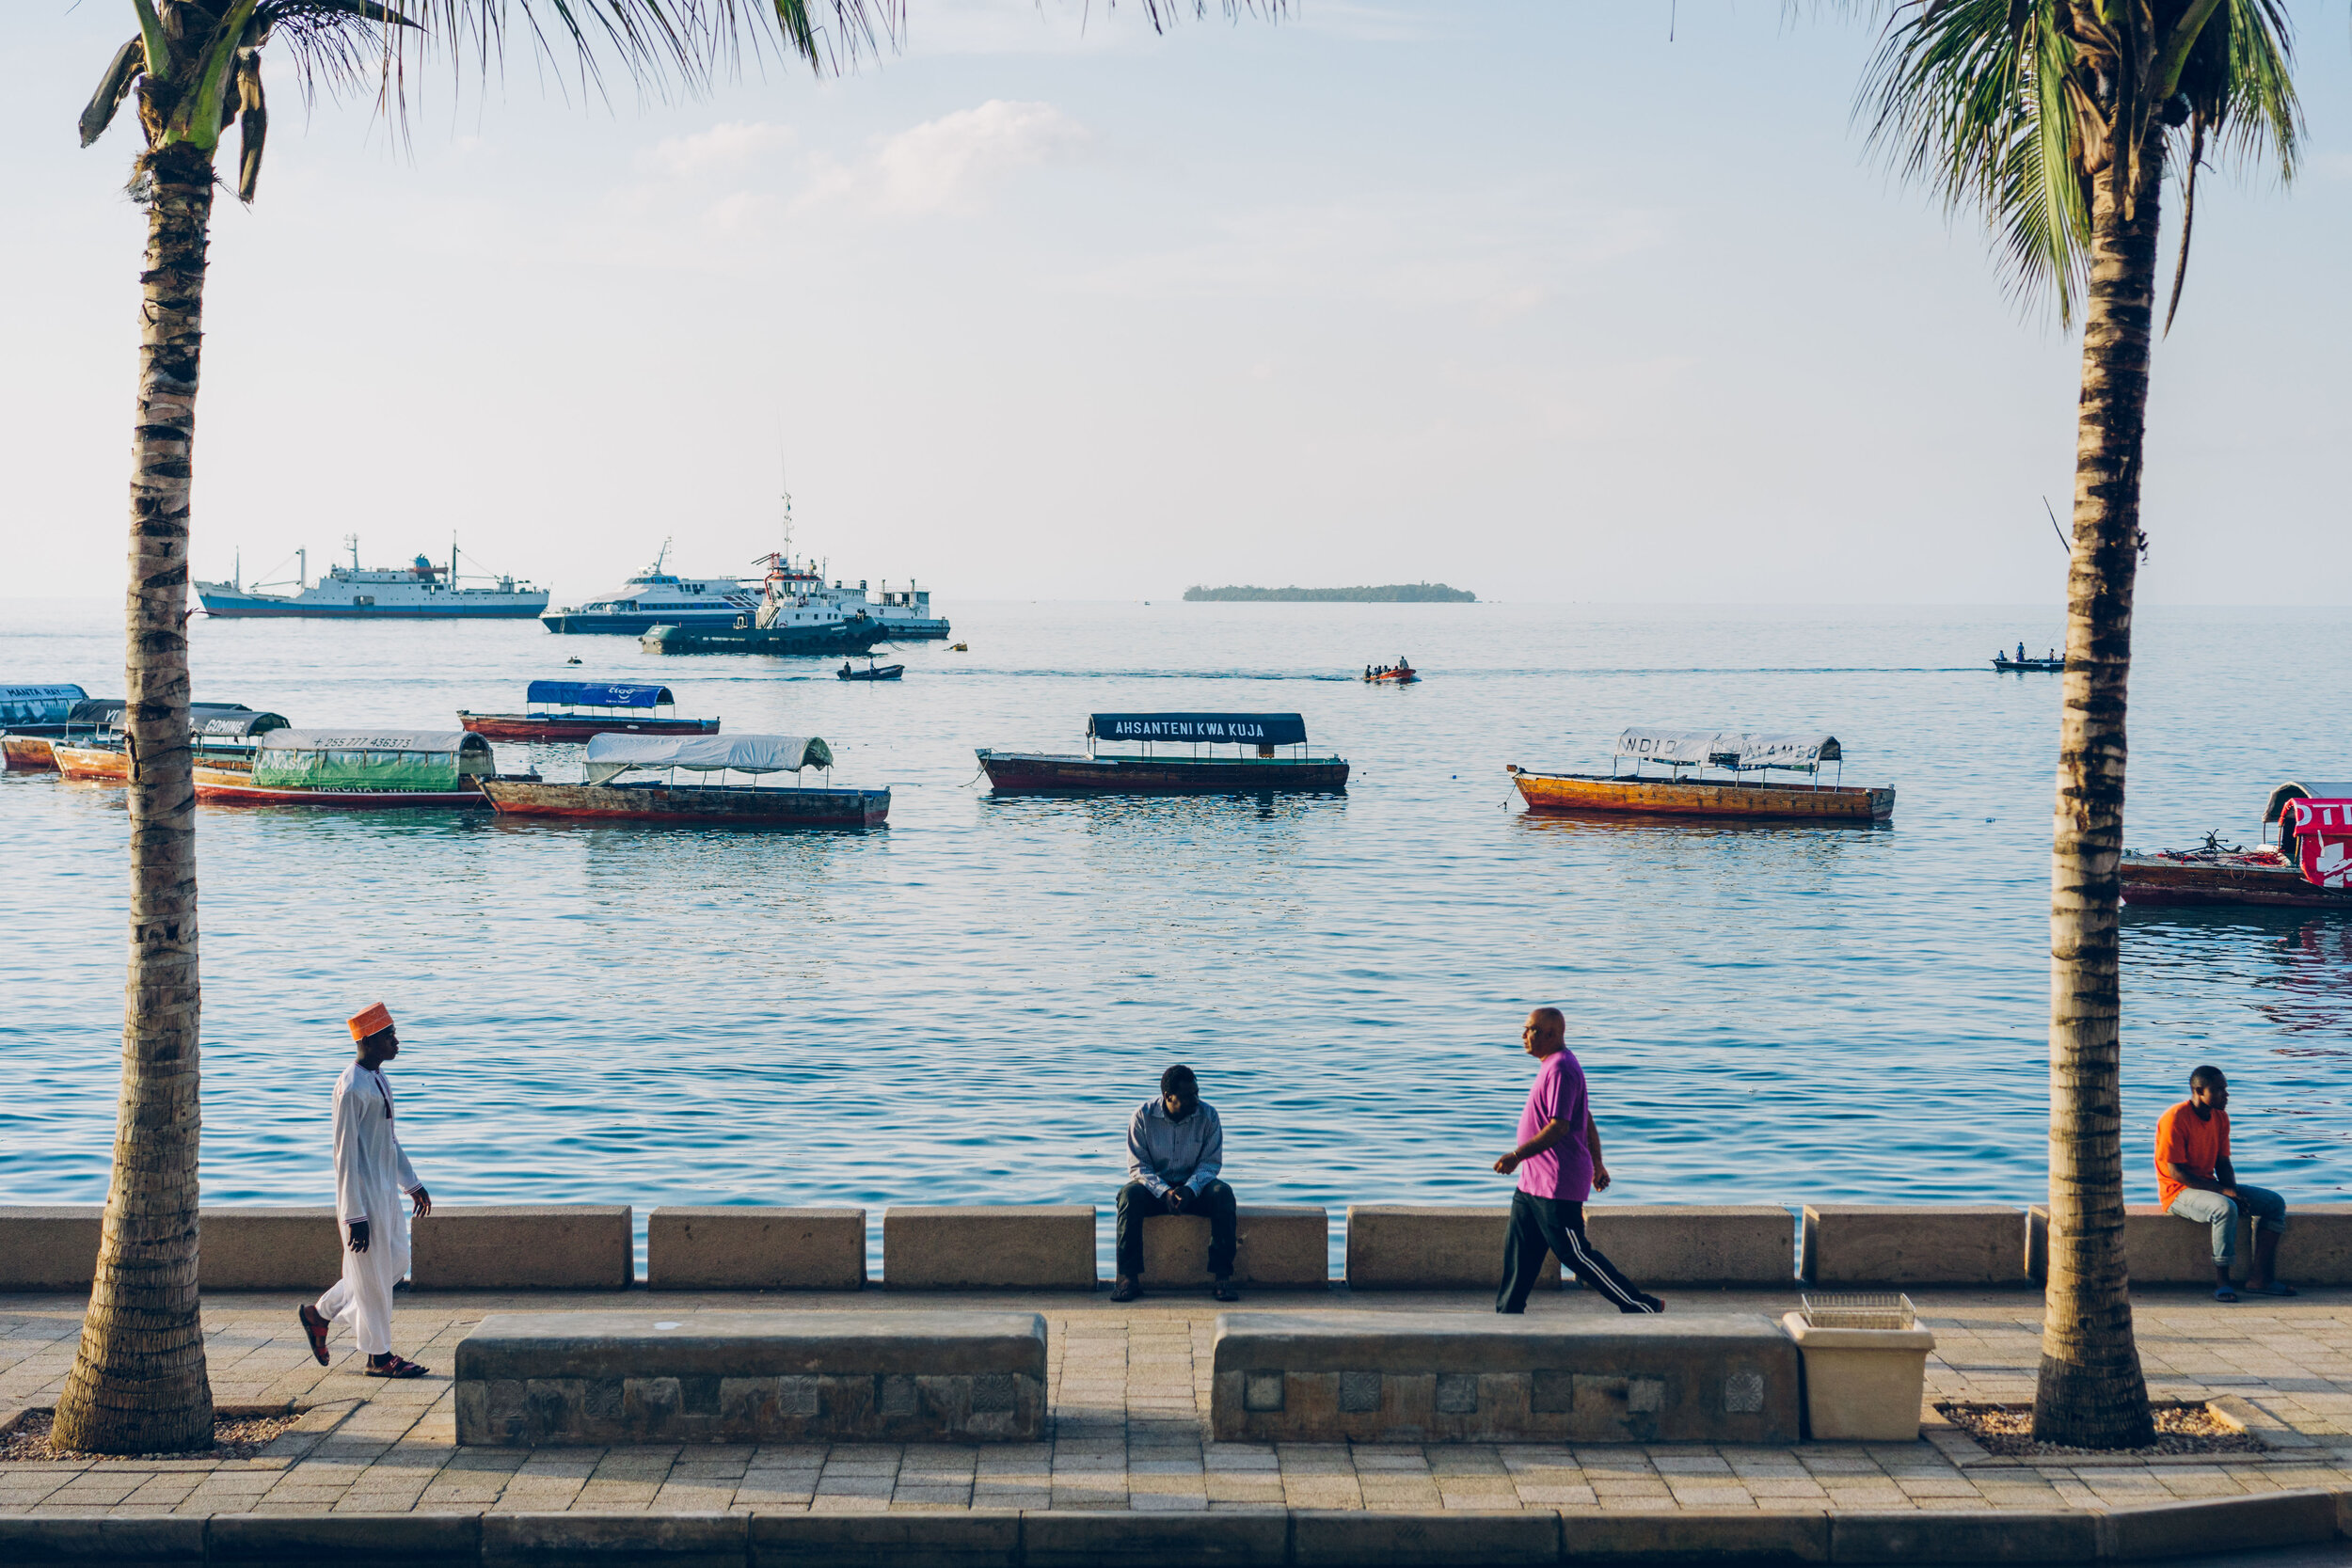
[(577, 710)]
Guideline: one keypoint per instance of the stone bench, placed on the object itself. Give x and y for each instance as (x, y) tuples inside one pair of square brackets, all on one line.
[(1416, 1377), (1004, 1246), (591, 1379), (524, 1246), (736, 1247), (2161, 1249), (1949, 1243), (55, 1248), (1433, 1248), (50, 1247), (1276, 1248)]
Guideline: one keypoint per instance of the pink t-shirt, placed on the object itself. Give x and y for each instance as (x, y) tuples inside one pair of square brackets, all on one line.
[(1564, 1169)]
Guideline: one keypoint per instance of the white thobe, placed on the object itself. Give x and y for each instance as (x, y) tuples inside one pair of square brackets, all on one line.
[(371, 1173)]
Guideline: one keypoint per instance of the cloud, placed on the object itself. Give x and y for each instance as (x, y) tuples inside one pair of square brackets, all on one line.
[(950, 164), (721, 149)]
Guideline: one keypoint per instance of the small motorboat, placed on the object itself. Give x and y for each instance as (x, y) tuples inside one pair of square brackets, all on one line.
[(958, 647), (576, 710), (872, 672), (2051, 661), (1392, 674)]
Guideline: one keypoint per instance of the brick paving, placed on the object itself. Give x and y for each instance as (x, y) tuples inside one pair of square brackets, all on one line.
[(1129, 1391)]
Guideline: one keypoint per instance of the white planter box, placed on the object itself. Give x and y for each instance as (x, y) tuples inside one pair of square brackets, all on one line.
[(1862, 1384)]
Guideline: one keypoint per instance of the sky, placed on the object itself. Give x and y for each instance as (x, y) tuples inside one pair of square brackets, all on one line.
[(1553, 301)]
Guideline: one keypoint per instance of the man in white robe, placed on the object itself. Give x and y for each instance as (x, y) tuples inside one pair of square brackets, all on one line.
[(371, 1171)]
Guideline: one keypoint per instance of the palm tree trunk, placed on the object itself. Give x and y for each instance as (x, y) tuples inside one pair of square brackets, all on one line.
[(2091, 1393), (138, 1383)]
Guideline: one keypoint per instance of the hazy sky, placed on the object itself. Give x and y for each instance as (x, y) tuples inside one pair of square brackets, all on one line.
[(1522, 297)]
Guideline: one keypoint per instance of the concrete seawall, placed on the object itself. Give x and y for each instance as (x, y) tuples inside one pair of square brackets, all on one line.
[(1387, 1246)]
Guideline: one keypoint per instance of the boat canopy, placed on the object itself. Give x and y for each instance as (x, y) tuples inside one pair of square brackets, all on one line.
[(1740, 750), (1213, 729), (206, 721), (2294, 791), (598, 694), (37, 705), (610, 756), (371, 760)]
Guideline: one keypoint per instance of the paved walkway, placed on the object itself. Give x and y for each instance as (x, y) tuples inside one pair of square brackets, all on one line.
[(1129, 1389)]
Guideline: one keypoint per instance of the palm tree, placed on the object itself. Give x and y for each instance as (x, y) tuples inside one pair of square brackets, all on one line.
[(138, 1384), (2054, 121)]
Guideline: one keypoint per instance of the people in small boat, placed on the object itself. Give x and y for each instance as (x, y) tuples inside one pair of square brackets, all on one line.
[(2195, 1180), (2021, 653), (371, 1171), (1175, 1148), (1559, 1166)]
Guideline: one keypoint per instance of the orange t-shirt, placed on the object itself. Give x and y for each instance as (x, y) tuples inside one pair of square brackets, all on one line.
[(2184, 1138)]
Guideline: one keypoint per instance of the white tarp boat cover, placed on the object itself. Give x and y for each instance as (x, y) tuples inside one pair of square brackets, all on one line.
[(1736, 749), (611, 754)]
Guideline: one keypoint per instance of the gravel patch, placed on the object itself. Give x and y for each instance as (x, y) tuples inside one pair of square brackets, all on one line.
[(234, 1437), (2007, 1431)]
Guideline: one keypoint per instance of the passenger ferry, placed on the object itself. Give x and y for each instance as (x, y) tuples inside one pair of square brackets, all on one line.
[(418, 592), (793, 594)]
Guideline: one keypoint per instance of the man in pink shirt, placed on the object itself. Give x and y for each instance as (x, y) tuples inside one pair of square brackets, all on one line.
[(1559, 1166)]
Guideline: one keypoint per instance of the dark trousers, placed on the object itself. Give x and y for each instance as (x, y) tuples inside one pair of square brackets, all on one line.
[(1137, 1203), (1556, 1226)]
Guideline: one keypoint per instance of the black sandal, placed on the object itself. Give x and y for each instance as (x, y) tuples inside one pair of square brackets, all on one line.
[(315, 1326), (396, 1366)]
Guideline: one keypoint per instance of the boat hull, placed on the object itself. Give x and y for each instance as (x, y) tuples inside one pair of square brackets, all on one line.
[(112, 763), (715, 806), (28, 753), (2150, 879), (1030, 773), (226, 605), (525, 726), (221, 787), (1584, 794), (823, 642), (638, 622)]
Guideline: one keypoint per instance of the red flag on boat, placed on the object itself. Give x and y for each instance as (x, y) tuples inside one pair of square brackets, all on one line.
[(2323, 841)]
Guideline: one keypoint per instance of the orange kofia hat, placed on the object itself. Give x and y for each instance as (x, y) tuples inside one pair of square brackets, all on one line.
[(373, 1019)]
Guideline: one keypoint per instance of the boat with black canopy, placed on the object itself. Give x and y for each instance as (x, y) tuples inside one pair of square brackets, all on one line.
[(1179, 753), (579, 710), (223, 736), (1748, 756), (30, 717), (634, 778)]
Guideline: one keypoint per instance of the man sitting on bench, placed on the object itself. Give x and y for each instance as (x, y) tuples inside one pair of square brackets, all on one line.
[(2196, 1182), (1175, 1148)]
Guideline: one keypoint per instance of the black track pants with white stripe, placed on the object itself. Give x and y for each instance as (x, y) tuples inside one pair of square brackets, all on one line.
[(1556, 1226)]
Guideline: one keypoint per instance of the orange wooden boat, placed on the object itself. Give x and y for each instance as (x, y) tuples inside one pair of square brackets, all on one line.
[(1739, 753)]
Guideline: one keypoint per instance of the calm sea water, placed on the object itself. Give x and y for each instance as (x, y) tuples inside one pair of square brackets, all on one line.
[(966, 1006)]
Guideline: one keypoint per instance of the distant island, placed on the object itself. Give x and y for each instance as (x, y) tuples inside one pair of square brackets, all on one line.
[(1390, 593)]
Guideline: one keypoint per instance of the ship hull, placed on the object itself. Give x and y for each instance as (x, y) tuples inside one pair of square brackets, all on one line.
[(221, 789), (1598, 795), (636, 623), (526, 726), (1030, 773), (2150, 880), (234, 607), (795, 641), (28, 753), (716, 806)]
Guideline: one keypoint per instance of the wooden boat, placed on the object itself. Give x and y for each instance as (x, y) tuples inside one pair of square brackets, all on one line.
[(1156, 772), (373, 770), (1402, 675), (221, 736), (610, 793), (579, 710), (1734, 751), (2002, 661), (30, 717), (872, 672), (2297, 872)]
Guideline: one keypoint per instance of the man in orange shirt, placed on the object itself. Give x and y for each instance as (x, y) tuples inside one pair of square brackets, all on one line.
[(2195, 1180)]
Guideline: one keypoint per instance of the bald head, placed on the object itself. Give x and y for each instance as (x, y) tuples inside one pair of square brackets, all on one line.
[(1547, 1031)]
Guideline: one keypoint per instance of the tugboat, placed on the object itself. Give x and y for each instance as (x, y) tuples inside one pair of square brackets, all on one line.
[(421, 591), (1735, 751), (1188, 772)]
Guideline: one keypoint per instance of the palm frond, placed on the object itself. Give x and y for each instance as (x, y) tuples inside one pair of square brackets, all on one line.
[(113, 88)]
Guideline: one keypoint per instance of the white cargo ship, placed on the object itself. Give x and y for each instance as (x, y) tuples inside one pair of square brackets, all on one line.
[(421, 590)]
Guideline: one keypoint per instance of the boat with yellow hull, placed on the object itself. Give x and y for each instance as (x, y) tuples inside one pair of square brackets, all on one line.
[(1744, 795), (1627, 795)]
